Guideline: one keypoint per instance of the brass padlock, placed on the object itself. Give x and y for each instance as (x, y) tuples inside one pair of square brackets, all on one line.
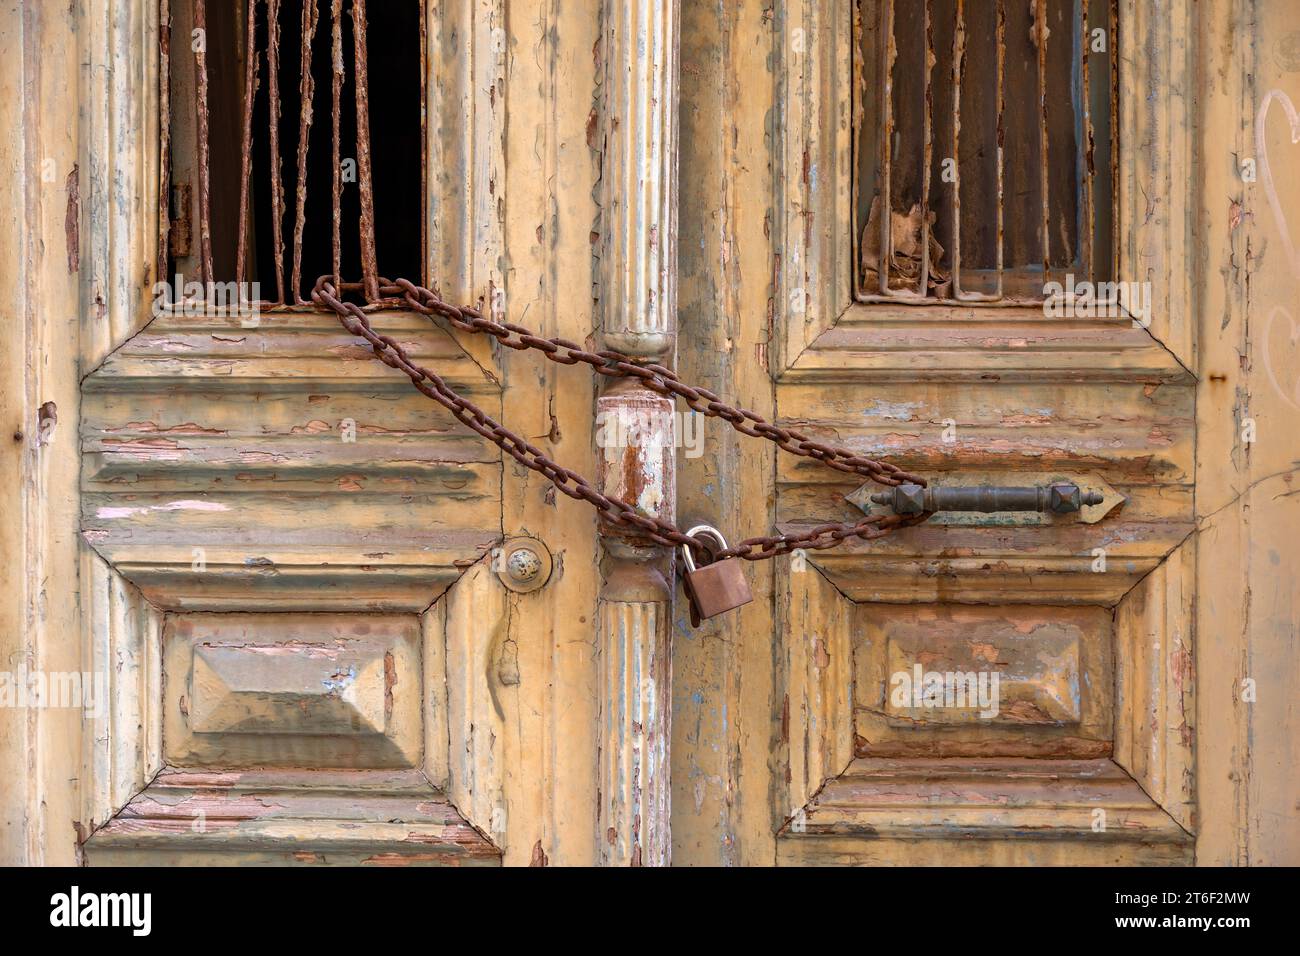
[(715, 588)]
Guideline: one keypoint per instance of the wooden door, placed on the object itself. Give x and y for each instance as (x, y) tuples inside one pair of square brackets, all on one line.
[(342, 627), (1086, 618), (1130, 683), (336, 627), (1083, 619)]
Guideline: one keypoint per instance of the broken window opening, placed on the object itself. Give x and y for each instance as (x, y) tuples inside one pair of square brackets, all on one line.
[(985, 128), (318, 171)]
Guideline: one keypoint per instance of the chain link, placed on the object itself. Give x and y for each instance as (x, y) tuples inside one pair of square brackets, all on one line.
[(657, 378)]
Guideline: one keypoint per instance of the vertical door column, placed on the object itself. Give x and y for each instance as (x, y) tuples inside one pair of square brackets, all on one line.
[(636, 135)]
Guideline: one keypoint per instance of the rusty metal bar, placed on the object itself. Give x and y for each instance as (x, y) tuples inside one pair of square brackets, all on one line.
[(336, 85), (306, 90), (887, 132), (201, 108), (927, 149), (369, 267), (862, 146), (277, 181), (424, 142), (246, 142), (1112, 46), (958, 57), (165, 137), (170, 194), (1001, 139), (1086, 165), (1041, 31)]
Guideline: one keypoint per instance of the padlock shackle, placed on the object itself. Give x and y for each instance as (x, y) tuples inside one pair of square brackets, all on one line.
[(701, 531)]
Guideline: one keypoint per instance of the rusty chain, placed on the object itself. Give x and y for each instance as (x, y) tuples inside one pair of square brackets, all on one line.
[(657, 378)]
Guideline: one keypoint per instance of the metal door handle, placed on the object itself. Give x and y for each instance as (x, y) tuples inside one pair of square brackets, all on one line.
[(1060, 498)]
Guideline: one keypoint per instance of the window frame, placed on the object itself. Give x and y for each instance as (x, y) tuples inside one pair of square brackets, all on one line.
[(811, 207)]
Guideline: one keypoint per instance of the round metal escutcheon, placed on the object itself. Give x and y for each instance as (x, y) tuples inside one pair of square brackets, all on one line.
[(522, 564)]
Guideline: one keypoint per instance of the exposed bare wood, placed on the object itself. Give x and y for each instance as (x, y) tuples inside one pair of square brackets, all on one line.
[(292, 690), (1055, 680), (314, 448), (468, 168), (634, 735), (124, 653), (957, 389), (537, 61), (637, 143), (811, 251), (475, 619), (815, 681), (876, 343), (1156, 230)]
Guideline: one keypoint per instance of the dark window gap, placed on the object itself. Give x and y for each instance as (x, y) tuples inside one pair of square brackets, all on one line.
[(393, 46)]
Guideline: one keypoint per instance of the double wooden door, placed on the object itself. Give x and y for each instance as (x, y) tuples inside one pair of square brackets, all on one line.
[(339, 627)]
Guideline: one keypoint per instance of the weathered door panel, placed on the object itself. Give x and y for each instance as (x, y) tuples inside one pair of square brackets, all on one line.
[(274, 473)]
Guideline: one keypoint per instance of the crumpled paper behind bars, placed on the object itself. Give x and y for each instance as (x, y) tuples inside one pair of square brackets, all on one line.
[(905, 257)]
